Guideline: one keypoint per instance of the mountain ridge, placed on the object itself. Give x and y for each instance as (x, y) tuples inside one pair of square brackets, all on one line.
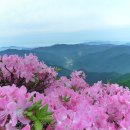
[(100, 62)]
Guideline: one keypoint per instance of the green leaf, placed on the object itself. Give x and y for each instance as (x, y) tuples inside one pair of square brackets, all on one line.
[(57, 78), (30, 116), (31, 98), (66, 99), (32, 128), (43, 114), (36, 78), (38, 115), (57, 69), (34, 106), (44, 108), (47, 119), (38, 125)]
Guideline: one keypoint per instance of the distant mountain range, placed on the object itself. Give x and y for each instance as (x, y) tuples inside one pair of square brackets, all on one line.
[(101, 62), (14, 47)]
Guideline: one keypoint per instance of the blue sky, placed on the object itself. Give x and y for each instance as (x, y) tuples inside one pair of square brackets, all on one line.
[(46, 22)]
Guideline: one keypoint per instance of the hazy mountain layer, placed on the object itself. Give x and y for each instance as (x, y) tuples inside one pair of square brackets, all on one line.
[(104, 62)]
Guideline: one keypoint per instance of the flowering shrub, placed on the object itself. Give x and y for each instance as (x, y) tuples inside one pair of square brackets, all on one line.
[(62, 104), (19, 108), (101, 106), (26, 71)]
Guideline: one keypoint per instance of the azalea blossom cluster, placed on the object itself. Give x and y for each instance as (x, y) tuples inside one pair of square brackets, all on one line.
[(65, 104), (28, 71), (78, 106), (16, 105)]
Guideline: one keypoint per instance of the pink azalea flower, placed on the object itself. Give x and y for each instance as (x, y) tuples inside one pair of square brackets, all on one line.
[(16, 111), (27, 127), (3, 111)]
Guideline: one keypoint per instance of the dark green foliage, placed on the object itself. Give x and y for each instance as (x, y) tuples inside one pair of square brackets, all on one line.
[(125, 83)]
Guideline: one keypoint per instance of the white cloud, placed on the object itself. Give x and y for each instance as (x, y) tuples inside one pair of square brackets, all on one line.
[(24, 16)]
